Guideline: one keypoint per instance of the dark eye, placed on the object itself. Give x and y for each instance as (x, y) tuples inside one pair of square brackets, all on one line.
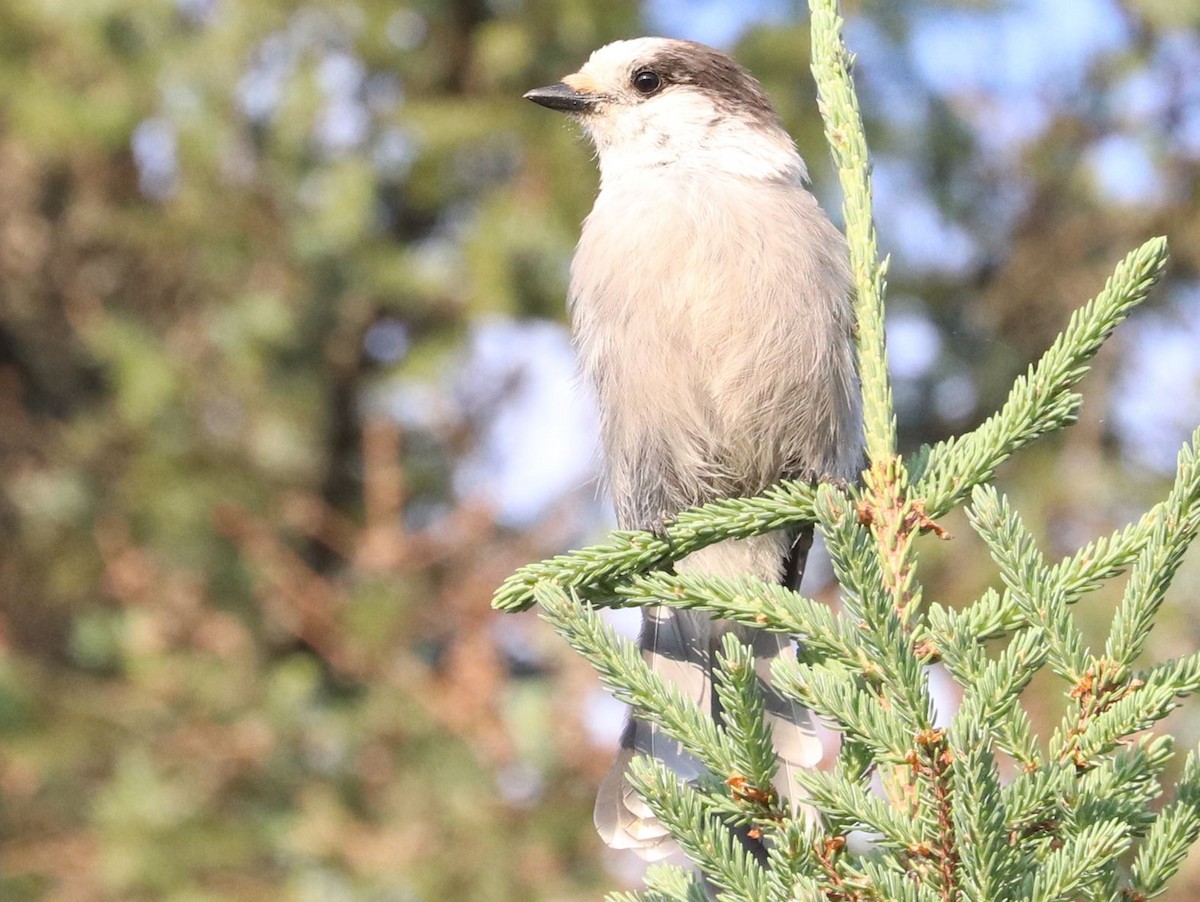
[(646, 81)]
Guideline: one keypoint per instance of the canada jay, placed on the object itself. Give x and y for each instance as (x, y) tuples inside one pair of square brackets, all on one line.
[(710, 299)]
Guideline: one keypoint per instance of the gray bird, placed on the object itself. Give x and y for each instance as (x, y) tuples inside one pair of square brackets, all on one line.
[(710, 303)]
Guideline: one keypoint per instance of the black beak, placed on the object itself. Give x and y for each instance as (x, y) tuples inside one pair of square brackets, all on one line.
[(560, 96)]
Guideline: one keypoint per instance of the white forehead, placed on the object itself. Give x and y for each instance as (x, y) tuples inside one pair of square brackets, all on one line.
[(620, 55)]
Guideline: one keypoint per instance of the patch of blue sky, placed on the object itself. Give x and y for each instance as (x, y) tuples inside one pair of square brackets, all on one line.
[(1020, 47), (340, 74), (1177, 65), (406, 29), (1139, 97), (715, 22), (955, 397), (261, 87), (344, 121), (1123, 172), (541, 444), (197, 12), (914, 343), (915, 231), (155, 148), (1004, 68), (1156, 399), (394, 152), (884, 78), (342, 125), (1149, 100)]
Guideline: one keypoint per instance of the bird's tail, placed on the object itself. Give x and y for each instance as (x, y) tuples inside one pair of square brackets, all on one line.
[(677, 646), (797, 744), (681, 647)]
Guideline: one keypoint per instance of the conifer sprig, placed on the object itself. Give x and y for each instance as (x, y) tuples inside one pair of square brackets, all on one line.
[(785, 506), (1041, 401)]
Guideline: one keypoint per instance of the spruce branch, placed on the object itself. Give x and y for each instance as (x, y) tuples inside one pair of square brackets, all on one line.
[(749, 601), (741, 698), (893, 886), (988, 871), (665, 883), (849, 805), (1123, 786), (890, 662), (996, 687), (1041, 401), (995, 614), (1175, 529), (787, 505), (1033, 804), (1039, 600), (894, 516), (1066, 869), (1181, 674), (838, 696), (621, 668), (793, 869), (1170, 836), (1139, 709), (700, 832), (844, 132)]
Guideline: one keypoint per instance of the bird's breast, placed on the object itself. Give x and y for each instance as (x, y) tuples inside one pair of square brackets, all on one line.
[(712, 315), (695, 271)]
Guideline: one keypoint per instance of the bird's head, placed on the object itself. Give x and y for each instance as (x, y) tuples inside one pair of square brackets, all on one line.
[(654, 102)]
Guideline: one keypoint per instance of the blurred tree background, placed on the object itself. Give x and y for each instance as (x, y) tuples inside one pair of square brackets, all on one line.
[(284, 394)]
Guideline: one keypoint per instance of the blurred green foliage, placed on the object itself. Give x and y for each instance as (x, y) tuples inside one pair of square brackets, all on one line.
[(245, 643), (232, 667)]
